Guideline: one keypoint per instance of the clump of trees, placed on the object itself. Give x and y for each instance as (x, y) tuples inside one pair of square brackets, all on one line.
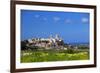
[(26, 46), (70, 51), (23, 45), (83, 47)]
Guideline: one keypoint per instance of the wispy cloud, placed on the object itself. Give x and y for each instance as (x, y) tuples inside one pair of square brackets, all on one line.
[(67, 21), (56, 18), (84, 20), (37, 16), (45, 18)]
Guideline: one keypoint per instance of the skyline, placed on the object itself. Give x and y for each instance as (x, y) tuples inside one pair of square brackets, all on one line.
[(71, 26)]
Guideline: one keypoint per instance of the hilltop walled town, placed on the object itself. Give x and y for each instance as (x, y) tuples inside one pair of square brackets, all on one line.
[(51, 42), (48, 43)]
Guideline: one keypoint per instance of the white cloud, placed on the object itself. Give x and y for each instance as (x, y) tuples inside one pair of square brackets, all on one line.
[(84, 20), (67, 21), (56, 18), (44, 18), (37, 16)]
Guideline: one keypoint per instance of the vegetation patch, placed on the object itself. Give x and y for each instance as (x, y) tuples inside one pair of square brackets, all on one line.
[(53, 55)]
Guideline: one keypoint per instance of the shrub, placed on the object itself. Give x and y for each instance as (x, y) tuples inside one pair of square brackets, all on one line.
[(70, 51)]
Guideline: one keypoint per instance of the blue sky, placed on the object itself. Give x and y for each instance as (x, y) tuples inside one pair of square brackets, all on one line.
[(71, 26)]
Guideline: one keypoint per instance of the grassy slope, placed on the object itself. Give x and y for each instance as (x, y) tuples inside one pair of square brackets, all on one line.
[(45, 56)]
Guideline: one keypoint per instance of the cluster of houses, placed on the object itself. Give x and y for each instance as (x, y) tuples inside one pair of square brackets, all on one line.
[(48, 43), (51, 42)]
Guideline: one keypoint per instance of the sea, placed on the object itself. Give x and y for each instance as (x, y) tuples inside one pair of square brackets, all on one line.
[(79, 43)]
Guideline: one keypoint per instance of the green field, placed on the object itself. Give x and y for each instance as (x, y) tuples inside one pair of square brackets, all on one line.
[(51, 55)]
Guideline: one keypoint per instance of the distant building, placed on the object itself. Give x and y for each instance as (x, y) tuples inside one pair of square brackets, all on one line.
[(51, 42)]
